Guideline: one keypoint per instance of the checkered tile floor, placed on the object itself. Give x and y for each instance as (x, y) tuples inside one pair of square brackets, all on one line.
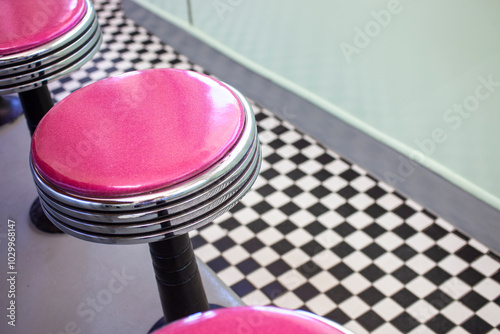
[(319, 233)]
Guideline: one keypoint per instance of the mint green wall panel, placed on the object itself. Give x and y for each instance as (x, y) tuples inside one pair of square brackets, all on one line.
[(177, 9), (394, 69)]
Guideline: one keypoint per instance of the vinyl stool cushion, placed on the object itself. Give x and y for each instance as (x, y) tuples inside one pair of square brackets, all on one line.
[(253, 319), (137, 132), (26, 24)]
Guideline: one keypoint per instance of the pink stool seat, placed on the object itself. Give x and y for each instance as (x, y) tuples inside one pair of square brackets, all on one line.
[(26, 24), (137, 132), (255, 320)]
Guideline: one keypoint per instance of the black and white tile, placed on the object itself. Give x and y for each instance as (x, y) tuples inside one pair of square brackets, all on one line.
[(318, 232)]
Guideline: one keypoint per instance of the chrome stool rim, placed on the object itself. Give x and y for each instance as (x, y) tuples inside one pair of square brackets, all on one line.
[(165, 233), (52, 70), (17, 73), (161, 221), (141, 215)]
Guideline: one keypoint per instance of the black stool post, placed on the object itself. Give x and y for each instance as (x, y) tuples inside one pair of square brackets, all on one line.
[(36, 103), (178, 278)]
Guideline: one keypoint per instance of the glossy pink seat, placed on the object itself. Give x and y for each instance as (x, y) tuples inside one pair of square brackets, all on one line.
[(136, 139), (255, 320), (27, 24), (148, 156)]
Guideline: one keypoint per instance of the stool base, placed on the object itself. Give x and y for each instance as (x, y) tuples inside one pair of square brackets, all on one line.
[(10, 109), (40, 220)]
